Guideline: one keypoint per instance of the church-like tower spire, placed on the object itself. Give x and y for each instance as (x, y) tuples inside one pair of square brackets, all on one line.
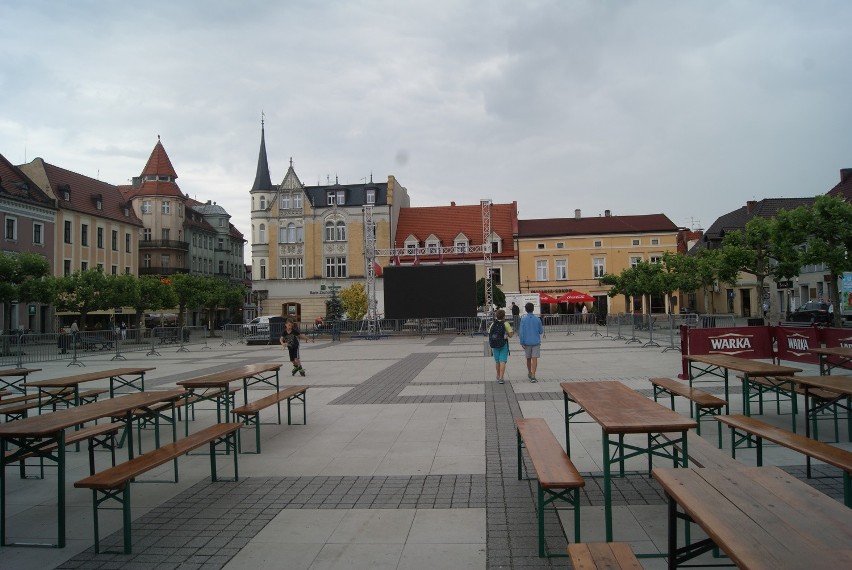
[(262, 181)]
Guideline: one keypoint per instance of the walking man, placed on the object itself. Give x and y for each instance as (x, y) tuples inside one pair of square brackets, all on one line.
[(530, 331)]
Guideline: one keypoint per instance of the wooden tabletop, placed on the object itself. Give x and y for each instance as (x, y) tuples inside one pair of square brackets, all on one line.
[(835, 384), (18, 371), (618, 409), (219, 379), (66, 381), (833, 351), (45, 424), (746, 365), (762, 517)]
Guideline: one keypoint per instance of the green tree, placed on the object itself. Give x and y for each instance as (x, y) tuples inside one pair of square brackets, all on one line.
[(155, 295), (334, 306), (82, 292), (497, 295), (354, 301), (24, 278), (189, 290), (828, 226), (215, 294)]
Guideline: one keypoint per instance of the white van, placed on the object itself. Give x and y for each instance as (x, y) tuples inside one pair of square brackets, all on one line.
[(257, 326)]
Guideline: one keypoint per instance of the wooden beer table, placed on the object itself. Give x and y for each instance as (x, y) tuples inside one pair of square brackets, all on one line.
[(834, 357)]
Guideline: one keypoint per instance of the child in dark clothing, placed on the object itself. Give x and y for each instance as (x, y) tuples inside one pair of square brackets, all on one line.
[(290, 338)]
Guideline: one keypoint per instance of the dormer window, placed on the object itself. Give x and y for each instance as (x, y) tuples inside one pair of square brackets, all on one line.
[(329, 199), (371, 196), (341, 197), (99, 204), (65, 191)]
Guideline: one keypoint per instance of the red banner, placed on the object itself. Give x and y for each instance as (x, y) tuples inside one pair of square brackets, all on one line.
[(794, 343), (833, 338), (745, 342)]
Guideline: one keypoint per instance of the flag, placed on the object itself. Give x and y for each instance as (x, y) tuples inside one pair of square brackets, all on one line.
[(416, 259), (441, 259), (396, 258), (377, 269)]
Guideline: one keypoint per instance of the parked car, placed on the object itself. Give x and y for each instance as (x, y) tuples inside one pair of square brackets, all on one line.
[(813, 312)]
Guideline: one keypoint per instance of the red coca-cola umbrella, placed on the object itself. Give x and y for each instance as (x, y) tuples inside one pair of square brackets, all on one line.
[(545, 298), (575, 297)]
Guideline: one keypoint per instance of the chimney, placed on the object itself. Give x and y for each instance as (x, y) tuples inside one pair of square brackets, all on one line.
[(750, 206), (845, 174), (577, 214), (452, 203), (607, 213)]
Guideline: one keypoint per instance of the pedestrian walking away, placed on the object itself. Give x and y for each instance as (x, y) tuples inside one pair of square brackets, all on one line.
[(498, 339), (516, 315), (290, 338), (530, 331)]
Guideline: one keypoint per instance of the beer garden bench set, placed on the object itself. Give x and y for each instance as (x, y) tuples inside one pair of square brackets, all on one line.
[(45, 436)]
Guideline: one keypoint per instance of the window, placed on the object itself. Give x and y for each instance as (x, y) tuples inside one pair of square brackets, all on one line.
[(294, 234), (285, 201), (635, 242), (541, 270), (655, 241), (432, 247), (460, 246), (292, 268), (146, 234), (495, 246), (297, 201), (146, 206), (99, 204), (114, 270), (335, 267), (599, 266), (221, 267), (66, 267), (84, 234), (221, 242), (127, 242), (100, 238), (497, 275), (11, 228), (166, 207), (146, 260), (221, 222), (263, 202), (67, 233), (261, 234), (84, 266), (561, 269), (539, 246), (371, 196), (100, 267), (38, 233), (341, 197), (263, 269), (329, 231), (410, 248), (656, 259), (560, 245), (341, 231), (165, 233), (165, 261), (598, 243), (634, 260), (114, 240), (329, 199)]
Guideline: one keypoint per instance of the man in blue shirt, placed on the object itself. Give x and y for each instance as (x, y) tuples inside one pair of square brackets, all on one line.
[(530, 331)]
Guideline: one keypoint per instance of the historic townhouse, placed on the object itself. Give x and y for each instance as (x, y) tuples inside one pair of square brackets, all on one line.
[(426, 233), (307, 239), (29, 218), (216, 246), (558, 255)]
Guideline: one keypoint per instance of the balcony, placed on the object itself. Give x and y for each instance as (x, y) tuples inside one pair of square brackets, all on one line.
[(162, 270), (164, 244)]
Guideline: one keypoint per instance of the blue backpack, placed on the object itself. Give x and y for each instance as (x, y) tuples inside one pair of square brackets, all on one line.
[(497, 334)]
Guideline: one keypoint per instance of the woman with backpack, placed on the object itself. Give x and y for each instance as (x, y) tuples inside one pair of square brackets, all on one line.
[(498, 339)]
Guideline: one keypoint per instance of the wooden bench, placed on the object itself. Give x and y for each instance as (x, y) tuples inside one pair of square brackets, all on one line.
[(113, 483), (20, 410), (557, 476), (776, 385), (100, 435), (751, 430), (705, 404), (603, 555), (250, 413)]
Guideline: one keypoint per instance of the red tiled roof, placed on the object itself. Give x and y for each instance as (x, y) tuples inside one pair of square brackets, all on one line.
[(18, 186), (159, 163), (595, 226), (447, 222), (84, 192)]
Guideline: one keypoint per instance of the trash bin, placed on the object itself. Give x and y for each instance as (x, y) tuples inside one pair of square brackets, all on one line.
[(755, 322)]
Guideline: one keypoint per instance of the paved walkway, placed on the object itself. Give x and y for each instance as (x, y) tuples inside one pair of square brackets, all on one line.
[(408, 460)]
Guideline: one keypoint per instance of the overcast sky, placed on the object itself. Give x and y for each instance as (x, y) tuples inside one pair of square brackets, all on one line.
[(687, 108)]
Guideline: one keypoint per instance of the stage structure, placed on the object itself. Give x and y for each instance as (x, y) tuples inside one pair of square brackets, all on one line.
[(370, 327)]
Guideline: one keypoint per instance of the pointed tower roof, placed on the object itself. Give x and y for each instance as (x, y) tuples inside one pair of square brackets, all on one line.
[(159, 163), (262, 181), (291, 180)]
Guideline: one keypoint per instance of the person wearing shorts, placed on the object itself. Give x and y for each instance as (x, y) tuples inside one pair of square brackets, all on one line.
[(530, 331), (290, 338), (501, 354)]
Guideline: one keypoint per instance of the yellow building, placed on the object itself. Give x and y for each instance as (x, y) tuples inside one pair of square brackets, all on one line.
[(558, 255)]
